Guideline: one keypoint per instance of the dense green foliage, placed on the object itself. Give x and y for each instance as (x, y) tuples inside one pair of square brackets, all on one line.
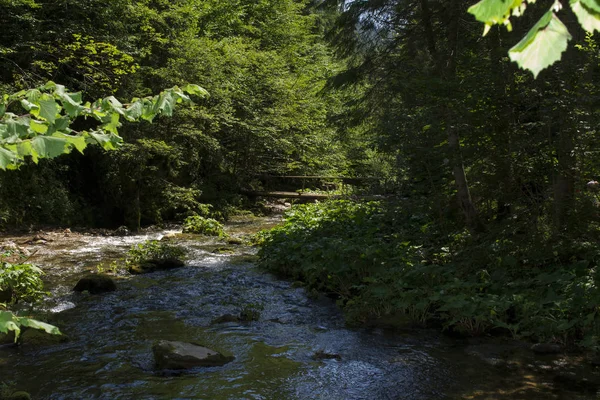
[(153, 250), (385, 263), (264, 63), (204, 226), (22, 281)]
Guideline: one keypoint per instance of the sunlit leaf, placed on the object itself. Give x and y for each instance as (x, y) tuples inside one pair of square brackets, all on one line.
[(588, 17), (49, 147), (542, 46), (6, 158)]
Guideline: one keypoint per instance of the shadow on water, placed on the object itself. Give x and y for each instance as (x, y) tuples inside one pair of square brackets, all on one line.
[(108, 354)]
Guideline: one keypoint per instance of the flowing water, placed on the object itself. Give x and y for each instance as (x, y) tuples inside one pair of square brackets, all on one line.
[(108, 352)]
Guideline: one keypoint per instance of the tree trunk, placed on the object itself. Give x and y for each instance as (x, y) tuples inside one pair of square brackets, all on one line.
[(460, 177), (462, 186)]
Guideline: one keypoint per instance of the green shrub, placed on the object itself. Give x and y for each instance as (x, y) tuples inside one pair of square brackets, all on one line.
[(21, 282), (204, 226), (153, 250)]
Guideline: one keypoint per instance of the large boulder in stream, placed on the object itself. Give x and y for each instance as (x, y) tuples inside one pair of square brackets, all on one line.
[(181, 355), (95, 284), (156, 265)]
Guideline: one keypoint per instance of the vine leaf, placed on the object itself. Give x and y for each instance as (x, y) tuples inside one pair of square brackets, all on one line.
[(542, 46)]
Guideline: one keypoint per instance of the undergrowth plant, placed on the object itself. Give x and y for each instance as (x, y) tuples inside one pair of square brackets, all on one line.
[(385, 264), (153, 250), (20, 283), (204, 226)]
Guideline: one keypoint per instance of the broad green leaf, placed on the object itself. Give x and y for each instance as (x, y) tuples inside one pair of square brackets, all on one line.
[(148, 112), (2, 109), (542, 46), (113, 125), (8, 323), (165, 104), (134, 111), (77, 141), (49, 109), (38, 127), (52, 86), (26, 149), (7, 158), (589, 19), (107, 141), (28, 106), (61, 124), (32, 323), (72, 104), (492, 12), (18, 128), (196, 90), (593, 5), (32, 95), (50, 147)]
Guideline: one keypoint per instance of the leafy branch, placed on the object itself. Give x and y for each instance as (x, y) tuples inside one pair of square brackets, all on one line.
[(547, 40), (44, 131)]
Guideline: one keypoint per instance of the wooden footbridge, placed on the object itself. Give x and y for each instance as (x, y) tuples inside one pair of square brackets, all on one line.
[(339, 184)]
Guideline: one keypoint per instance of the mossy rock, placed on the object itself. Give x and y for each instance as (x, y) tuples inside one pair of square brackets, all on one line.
[(234, 240), (20, 395), (156, 265), (180, 355), (37, 337)]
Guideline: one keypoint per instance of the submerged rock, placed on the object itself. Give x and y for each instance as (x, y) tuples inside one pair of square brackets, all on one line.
[(95, 284), (180, 355), (156, 265), (225, 318), (323, 355), (546, 348), (36, 337)]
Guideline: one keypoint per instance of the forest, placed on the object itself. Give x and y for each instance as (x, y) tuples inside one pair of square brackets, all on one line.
[(456, 141)]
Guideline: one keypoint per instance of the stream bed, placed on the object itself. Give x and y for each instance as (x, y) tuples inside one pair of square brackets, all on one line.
[(108, 352)]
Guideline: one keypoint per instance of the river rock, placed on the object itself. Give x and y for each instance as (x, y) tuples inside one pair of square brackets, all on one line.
[(156, 265), (234, 240), (546, 348), (225, 318), (180, 355), (37, 337), (96, 284), (121, 231), (20, 395)]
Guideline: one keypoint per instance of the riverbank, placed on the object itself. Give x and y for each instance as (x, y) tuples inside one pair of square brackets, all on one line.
[(282, 354)]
